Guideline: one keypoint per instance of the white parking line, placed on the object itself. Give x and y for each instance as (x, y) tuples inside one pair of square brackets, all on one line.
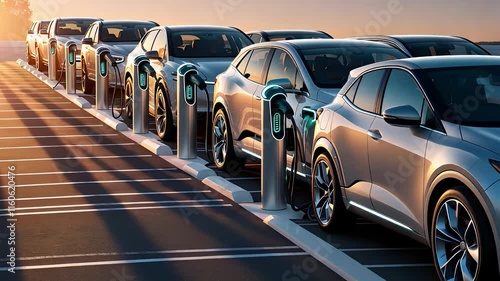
[(114, 204), (94, 171), (96, 182), (53, 127), (189, 251), (59, 136), (158, 260), (39, 110), (67, 145), (76, 158), (107, 195), (118, 209), (45, 118)]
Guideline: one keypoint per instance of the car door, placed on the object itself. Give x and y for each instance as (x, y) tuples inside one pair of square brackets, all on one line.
[(159, 45), (44, 40), (349, 134), (397, 155), (31, 38), (88, 52)]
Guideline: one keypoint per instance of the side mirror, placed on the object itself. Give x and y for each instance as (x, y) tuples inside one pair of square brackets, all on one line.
[(153, 55), (44, 32), (285, 84), (402, 116), (87, 41), (31, 31)]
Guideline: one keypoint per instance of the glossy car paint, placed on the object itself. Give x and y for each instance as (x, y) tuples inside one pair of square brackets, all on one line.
[(32, 39)]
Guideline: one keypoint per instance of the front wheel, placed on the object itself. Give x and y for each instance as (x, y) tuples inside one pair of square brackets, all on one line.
[(461, 237), (328, 205), (163, 116), (222, 145), (129, 86)]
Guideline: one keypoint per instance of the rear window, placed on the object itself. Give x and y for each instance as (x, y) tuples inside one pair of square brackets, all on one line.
[(330, 67), (73, 27), (124, 32), (204, 44)]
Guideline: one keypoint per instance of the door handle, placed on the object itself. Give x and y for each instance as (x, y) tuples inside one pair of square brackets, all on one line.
[(374, 134)]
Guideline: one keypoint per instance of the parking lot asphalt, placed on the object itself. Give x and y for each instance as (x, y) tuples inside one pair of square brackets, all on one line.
[(90, 204), (388, 255)]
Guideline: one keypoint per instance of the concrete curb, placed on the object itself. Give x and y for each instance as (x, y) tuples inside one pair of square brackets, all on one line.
[(229, 189), (325, 253)]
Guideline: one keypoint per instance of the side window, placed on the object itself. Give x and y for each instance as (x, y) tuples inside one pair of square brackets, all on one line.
[(52, 29), (90, 32), (35, 26), (242, 66), (149, 38), (401, 90), (50, 26), (160, 43), (366, 95), (352, 91), (255, 68), (256, 38), (282, 66), (95, 33)]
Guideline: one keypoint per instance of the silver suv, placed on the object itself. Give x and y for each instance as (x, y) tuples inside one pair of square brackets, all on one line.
[(413, 144), (316, 69), (210, 48), (120, 37)]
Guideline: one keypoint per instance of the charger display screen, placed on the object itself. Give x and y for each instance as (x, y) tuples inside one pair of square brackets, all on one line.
[(190, 98), (142, 80), (103, 68)]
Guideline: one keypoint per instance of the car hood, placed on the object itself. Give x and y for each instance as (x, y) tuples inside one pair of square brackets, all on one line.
[(123, 49), (485, 137), (209, 68)]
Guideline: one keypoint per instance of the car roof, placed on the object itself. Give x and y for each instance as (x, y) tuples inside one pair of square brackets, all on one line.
[(78, 18), (127, 21), (284, 31), (432, 62), (415, 38), (305, 44), (200, 28)]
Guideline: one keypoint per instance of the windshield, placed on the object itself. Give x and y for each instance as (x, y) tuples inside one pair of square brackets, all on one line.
[(73, 27), (330, 67), (205, 44), (467, 95), (433, 48), (124, 32), (297, 35)]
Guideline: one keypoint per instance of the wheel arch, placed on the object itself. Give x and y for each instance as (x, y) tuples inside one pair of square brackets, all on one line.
[(323, 145)]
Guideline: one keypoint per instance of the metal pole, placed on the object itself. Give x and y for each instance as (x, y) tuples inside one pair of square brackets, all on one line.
[(186, 113), (140, 96), (70, 48), (52, 51), (273, 162), (101, 78)]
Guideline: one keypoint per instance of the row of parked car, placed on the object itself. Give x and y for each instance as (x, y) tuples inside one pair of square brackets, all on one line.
[(402, 130)]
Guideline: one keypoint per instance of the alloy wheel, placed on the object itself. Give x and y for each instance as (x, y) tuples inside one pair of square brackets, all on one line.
[(324, 189), (220, 140), (161, 115)]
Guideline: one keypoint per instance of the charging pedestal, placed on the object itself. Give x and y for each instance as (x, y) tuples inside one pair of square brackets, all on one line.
[(52, 51), (101, 78), (273, 162), (186, 112), (70, 48), (140, 95)]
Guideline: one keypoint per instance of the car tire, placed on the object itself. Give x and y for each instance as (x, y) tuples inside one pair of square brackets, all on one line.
[(459, 228), (129, 90), (328, 205), (222, 145), (164, 123), (29, 58), (39, 61), (87, 84)]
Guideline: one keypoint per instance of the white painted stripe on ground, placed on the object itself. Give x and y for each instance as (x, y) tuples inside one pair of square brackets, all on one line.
[(107, 195), (94, 171), (400, 265), (113, 204), (189, 251), (67, 145), (118, 209), (157, 260), (96, 182), (32, 103), (75, 158), (53, 127), (60, 136), (40, 110), (45, 118)]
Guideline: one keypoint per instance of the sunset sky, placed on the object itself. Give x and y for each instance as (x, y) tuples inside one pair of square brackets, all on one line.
[(477, 20)]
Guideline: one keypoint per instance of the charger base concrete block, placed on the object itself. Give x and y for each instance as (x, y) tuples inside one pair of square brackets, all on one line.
[(198, 171), (228, 189)]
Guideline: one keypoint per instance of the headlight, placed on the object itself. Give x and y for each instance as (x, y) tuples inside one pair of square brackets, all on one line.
[(119, 59), (495, 164)]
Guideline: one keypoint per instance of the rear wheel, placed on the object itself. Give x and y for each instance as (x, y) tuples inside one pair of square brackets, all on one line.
[(222, 145), (329, 208), (163, 117), (461, 237), (87, 85)]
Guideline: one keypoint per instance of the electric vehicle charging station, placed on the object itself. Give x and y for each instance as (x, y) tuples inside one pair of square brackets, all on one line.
[(52, 51), (102, 78), (187, 82), (70, 48), (140, 96), (275, 109)]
